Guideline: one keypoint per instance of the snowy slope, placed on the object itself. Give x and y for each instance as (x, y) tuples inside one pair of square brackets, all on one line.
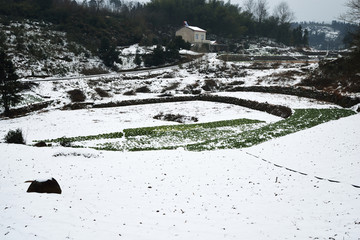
[(189, 195), (37, 49), (329, 151)]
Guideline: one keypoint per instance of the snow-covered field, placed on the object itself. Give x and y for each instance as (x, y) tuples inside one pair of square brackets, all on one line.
[(224, 194), (300, 186)]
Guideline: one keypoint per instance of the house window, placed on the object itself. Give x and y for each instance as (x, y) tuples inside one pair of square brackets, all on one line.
[(196, 36), (202, 37)]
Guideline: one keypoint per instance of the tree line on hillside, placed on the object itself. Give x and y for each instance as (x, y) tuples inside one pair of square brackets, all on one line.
[(123, 23), (226, 20), (342, 73), (320, 35), (10, 88), (97, 29)]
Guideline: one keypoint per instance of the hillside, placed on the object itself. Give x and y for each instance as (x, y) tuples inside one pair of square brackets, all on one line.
[(323, 36), (37, 49), (116, 23), (56, 38)]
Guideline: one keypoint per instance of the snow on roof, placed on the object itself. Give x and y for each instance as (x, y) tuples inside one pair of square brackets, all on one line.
[(196, 29)]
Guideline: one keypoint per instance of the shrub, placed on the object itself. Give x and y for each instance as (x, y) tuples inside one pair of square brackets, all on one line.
[(156, 58), (65, 142), (137, 59), (77, 95), (15, 136), (93, 71), (175, 118), (172, 86), (102, 92), (143, 89), (129, 93), (210, 85), (236, 83)]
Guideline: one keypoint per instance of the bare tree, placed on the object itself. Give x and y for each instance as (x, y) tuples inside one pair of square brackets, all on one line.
[(353, 16), (261, 10), (283, 12), (249, 6), (353, 13)]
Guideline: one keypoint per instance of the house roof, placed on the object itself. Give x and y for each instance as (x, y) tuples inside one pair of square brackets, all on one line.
[(197, 29)]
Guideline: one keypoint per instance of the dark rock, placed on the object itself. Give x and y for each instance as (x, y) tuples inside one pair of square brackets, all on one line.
[(40, 144), (48, 186), (143, 89)]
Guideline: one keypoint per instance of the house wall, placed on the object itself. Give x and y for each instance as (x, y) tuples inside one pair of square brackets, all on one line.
[(199, 37), (186, 33)]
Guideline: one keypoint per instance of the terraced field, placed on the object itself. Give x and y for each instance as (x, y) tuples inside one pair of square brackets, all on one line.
[(230, 134)]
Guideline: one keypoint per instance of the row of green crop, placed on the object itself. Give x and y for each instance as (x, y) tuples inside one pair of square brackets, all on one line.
[(85, 138), (174, 138), (185, 127)]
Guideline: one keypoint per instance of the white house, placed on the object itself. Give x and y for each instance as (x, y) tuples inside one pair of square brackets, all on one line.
[(192, 34)]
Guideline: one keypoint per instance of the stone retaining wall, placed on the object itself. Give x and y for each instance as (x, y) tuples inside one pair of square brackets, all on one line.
[(343, 101), (276, 110), (17, 112)]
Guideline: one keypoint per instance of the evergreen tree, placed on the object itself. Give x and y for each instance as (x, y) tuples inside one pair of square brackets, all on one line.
[(44, 4), (137, 59), (298, 38), (305, 38), (156, 58), (10, 88), (108, 53)]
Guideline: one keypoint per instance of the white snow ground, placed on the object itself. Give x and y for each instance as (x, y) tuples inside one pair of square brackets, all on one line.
[(223, 194), (55, 124)]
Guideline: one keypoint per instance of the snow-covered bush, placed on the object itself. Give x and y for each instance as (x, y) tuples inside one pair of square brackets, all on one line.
[(176, 118), (76, 95), (15, 136)]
